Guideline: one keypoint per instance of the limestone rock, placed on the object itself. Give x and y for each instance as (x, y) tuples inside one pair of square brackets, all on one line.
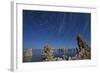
[(47, 54), (84, 49), (27, 55)]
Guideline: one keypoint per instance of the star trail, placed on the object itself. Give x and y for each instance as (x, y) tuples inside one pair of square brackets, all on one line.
[(57, 29)]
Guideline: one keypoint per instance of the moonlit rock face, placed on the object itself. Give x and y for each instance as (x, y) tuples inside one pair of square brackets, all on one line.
[(27, 55), (28, 52), (47, 54), (85, 50)]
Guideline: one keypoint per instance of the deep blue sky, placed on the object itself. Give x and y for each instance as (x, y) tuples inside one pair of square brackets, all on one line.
[(56, 29)]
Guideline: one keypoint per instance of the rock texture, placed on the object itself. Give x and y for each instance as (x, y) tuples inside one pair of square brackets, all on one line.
[(84, 51), (27, 55), (47, 54)]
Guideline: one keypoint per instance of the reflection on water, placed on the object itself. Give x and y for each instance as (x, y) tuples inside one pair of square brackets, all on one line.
[(50, 54)]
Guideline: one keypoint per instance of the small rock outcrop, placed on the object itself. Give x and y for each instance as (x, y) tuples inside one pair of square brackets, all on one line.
[(84, 51), (48, 54), (27, 55)]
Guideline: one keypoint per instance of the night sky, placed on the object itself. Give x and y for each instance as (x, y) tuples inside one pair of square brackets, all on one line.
[(56, 29)]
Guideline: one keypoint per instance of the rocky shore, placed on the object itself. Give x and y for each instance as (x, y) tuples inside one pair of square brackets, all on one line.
[(83, 52)]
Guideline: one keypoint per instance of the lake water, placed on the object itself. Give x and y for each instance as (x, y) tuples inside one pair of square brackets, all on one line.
[(37, 54)]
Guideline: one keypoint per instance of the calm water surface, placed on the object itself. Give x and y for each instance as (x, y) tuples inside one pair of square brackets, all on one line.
[(37, 54)]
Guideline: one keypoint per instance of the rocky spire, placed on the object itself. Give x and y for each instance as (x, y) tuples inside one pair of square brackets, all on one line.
[(81, 42), (84, 49), (47, 53)]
